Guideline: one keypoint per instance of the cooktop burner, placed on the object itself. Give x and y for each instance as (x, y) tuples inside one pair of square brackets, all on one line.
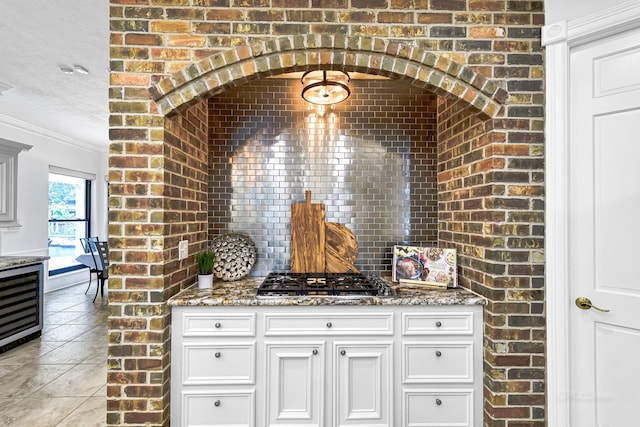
[(279, 284)]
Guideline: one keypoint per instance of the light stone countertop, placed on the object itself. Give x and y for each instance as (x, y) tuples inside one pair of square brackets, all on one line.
[(243, 293), (7, 262)]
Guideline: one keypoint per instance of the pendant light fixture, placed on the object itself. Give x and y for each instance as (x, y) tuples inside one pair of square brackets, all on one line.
[(325, 87)]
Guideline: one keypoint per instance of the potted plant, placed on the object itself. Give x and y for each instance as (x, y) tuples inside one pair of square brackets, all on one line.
[(205, 260)]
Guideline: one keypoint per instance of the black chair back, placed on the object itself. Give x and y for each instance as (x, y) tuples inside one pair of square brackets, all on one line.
[(102, 251)]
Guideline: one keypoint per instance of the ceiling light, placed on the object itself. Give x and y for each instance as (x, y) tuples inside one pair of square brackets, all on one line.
[(66, 69), (325, 86), (80, 69)]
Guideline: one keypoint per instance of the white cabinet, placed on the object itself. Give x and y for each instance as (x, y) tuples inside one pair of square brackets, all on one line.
[(362, 384), (441, 382), (437, 361), (341, 378), (216, 408), (327, 366), (433, 407), (213, 380), (295, 384), (214, 363)]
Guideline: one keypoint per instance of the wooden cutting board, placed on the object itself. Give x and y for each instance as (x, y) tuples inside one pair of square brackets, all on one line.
[(307, 236), (341, 249)]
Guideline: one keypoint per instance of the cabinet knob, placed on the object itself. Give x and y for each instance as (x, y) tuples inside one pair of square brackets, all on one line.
[(438, 402), (217, 354), (329, 324), (438, 323), (217, 325), (343, 352), (438, 353), (314, 351), (216, 403)]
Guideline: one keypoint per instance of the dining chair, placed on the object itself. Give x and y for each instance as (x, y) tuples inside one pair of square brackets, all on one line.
[(101, 257), (86, 243), (100, 254)]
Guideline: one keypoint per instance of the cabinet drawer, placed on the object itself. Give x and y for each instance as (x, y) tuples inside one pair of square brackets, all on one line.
[(219, 364), (425, 362), (437, 323), (218, 409), (438, 408), (328, 324), (201, 324)]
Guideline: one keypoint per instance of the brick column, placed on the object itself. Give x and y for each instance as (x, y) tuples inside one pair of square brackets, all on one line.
[(492, 207)]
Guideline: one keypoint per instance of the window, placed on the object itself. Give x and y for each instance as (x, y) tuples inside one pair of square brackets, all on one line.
[(69, 220)]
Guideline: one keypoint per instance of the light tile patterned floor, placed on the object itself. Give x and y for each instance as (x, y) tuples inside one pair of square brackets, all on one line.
[(59, 379)]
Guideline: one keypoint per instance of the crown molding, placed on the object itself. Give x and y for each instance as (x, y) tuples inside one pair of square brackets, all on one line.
[(49, 134), (616, 19)]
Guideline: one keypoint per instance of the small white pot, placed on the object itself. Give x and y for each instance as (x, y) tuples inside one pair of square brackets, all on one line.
[(205, 281)]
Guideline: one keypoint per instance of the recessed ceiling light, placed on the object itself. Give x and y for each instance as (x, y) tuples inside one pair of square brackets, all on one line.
[(66, 69), (81, 69)]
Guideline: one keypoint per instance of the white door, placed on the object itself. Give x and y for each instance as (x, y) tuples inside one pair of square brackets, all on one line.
[(604, 231)]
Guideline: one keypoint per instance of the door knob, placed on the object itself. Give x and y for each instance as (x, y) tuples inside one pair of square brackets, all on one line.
[(584, 303)]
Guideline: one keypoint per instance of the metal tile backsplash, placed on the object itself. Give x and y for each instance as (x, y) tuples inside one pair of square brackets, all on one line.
[(371, 160)]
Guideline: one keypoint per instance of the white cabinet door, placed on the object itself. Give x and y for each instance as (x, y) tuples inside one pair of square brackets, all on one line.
[(295, 383), (362, 384)]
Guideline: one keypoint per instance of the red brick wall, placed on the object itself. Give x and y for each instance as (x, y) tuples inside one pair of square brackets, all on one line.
[(164, 203), (469, 48), (491, 209)]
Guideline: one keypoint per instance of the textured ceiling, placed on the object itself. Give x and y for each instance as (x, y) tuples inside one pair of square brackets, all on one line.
[(37, 38)]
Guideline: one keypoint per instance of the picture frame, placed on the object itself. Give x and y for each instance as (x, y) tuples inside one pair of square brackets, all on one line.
[(425, 266)]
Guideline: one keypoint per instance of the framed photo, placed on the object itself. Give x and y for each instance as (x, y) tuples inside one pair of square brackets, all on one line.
[(426, 266)]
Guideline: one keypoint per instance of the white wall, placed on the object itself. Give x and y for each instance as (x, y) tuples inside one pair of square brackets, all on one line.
[(33, 187), (559, 10)]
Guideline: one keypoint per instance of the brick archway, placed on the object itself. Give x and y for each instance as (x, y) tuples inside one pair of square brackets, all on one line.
[(398, 61)]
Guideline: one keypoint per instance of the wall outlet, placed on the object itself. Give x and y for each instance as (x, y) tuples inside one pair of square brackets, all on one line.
[(183, 250)]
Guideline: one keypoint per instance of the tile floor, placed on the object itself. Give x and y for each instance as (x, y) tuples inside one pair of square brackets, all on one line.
[(59, 379)]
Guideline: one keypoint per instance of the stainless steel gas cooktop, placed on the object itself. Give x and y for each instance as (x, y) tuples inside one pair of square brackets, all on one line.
[(286, 284)]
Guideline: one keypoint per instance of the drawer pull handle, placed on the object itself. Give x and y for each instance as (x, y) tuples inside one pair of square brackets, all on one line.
[(217, 325), (216, 403), (217, 354), (438, 324), (438, 353), (329, 324), (438, 402), (314, 351), (343, 352)]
